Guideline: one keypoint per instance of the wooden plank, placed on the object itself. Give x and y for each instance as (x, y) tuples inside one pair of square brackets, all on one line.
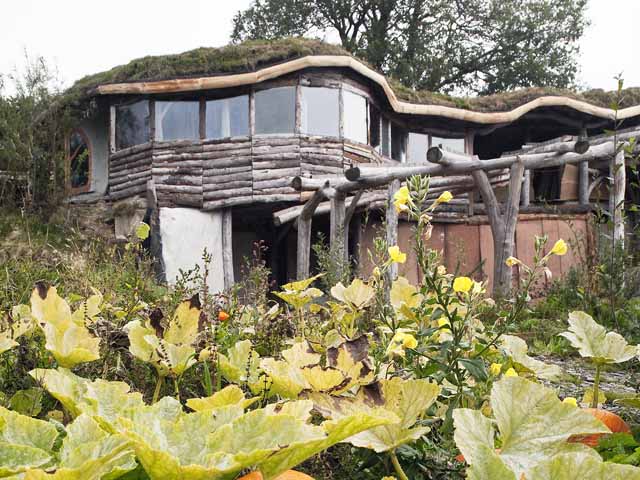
[(227, 248), (392, 228)]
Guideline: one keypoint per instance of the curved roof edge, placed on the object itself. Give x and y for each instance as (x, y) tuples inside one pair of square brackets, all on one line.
[(399, 106)]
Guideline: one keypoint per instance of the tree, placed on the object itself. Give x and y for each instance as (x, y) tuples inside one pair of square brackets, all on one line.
[(481, 46)]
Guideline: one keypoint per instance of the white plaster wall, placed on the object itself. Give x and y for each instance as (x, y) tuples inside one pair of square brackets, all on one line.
[(185, 233)]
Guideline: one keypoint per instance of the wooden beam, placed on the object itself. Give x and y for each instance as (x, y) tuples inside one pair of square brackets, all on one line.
[(392, 228), (338, 244), (618, 174), (352, 207), (304, 234), (525, 195), (227, 247)]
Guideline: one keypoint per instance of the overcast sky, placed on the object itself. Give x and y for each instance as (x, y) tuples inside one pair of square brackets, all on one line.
[(84, 37)]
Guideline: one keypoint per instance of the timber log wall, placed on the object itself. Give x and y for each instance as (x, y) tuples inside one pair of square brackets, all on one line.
[(214, 174)]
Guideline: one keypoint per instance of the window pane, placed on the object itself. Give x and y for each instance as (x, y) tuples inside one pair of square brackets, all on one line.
[(418, 145), (355, 117), (228, 117), (177, 120), (374, 125), (320, 111), (276, 110), (79, 158), (398, 143), (132, 124), (451, 144)]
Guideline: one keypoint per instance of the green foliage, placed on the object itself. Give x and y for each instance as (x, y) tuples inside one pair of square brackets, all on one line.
[(475, 45)]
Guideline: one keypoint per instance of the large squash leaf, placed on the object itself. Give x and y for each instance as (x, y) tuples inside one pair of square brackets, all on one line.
[(407, 399), (592, 340), (357, 295), (533, 425), (241, 365), (517, 349), (230, 395), (68, 340), (19, 322), (580, 466), (25, 442)]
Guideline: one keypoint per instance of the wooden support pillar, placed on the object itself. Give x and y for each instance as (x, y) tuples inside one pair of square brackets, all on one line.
[(337, 229), (617, 195), (227, 248), (392, 227), (583, 183), (525, 199), (503, 227), (304, 233)]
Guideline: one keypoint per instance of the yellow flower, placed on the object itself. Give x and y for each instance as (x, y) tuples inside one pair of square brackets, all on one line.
[(443, 322), (495, 369), (401, 198), (396, 255), (409, 341), (442, 270), (511, 373), (560, 248), (462, 284), (512, 262), (376, 272), (570, 401), (445, 197)]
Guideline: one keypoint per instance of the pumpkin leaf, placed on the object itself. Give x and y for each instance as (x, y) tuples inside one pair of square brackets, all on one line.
[(241, 365), (517, 349), (357, 295), (230, 395), (533, 425), (581, 465), (183, 327), (593, 341), (407, 399), (27, 402), (70, 342)]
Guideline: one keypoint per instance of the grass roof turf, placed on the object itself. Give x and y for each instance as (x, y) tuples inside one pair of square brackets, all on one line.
[(256, 54)]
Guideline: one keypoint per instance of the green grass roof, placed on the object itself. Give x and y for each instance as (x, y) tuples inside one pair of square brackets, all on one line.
[(253, 55)]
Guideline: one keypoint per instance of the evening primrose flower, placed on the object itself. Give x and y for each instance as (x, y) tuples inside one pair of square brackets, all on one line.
[(512, 262), (570, 401), (511, 373), (495, 369), (401, 198), (400, 341), (559, 248), (396, 255), (444, 322), (445, 197), (462, 284)]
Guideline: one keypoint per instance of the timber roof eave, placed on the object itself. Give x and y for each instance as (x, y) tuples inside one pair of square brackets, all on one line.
[(342, 61)]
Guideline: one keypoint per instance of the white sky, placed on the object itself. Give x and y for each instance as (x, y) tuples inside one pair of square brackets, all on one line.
[(84, 37)]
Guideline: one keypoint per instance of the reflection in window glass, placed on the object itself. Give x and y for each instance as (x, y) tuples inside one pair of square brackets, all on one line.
[(418, 145), (79, 160), (385, 138), (132, 124), (320, 110), (228, 117), (355, 117), (398, 143), (451, 144), (276, 110), (177, 120)]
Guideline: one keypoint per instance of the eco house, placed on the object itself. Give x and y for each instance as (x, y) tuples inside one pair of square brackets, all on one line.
[(279, 141)]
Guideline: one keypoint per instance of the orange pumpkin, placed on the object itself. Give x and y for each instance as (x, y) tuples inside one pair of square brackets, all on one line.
[(612, 421), (288, 475)]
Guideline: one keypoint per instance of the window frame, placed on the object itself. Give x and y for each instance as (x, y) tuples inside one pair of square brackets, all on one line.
[(153, 117), (205, 109), (84, 188), (253, 112), (301, 105), (151, 106)]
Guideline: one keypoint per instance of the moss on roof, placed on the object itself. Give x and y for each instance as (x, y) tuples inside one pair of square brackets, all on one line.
[(253, 55)]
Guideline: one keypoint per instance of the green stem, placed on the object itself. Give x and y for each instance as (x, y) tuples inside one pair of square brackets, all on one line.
[(397, 466), (206, 373), (176, 387), (596, 386), (156, 392)]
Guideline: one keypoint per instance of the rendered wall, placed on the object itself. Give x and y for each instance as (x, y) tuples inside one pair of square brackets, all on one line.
[(185, 233), (97, 132)]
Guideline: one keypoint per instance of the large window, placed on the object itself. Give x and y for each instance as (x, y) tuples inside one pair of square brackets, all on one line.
[(451, 144), (177, 120), (355, 117), (320, 111), (385, 137), (79, 161), (228, 117), (374, 125), (132, 124), (418, 146), (276, 110)]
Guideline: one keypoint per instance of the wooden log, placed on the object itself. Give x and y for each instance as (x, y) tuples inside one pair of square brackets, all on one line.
[(275, 198), (304, 234), (274, 141), (130, 171), (525, 199), (352, 206), (338, 243), (130, 150), (196, 190), (227, 248), (226, 193), (272, 150), (265, 157), (128, 192), (220, 163), (276, 183), (214, 187), (130, 183), (234, 177), (226, 171), (392, 229), (289, 214), (269, 174), (188, 171), (227, 202), (618, 173), (583, 183)]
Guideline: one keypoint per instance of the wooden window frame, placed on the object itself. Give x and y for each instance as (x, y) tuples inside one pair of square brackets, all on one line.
[(84, 188)]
